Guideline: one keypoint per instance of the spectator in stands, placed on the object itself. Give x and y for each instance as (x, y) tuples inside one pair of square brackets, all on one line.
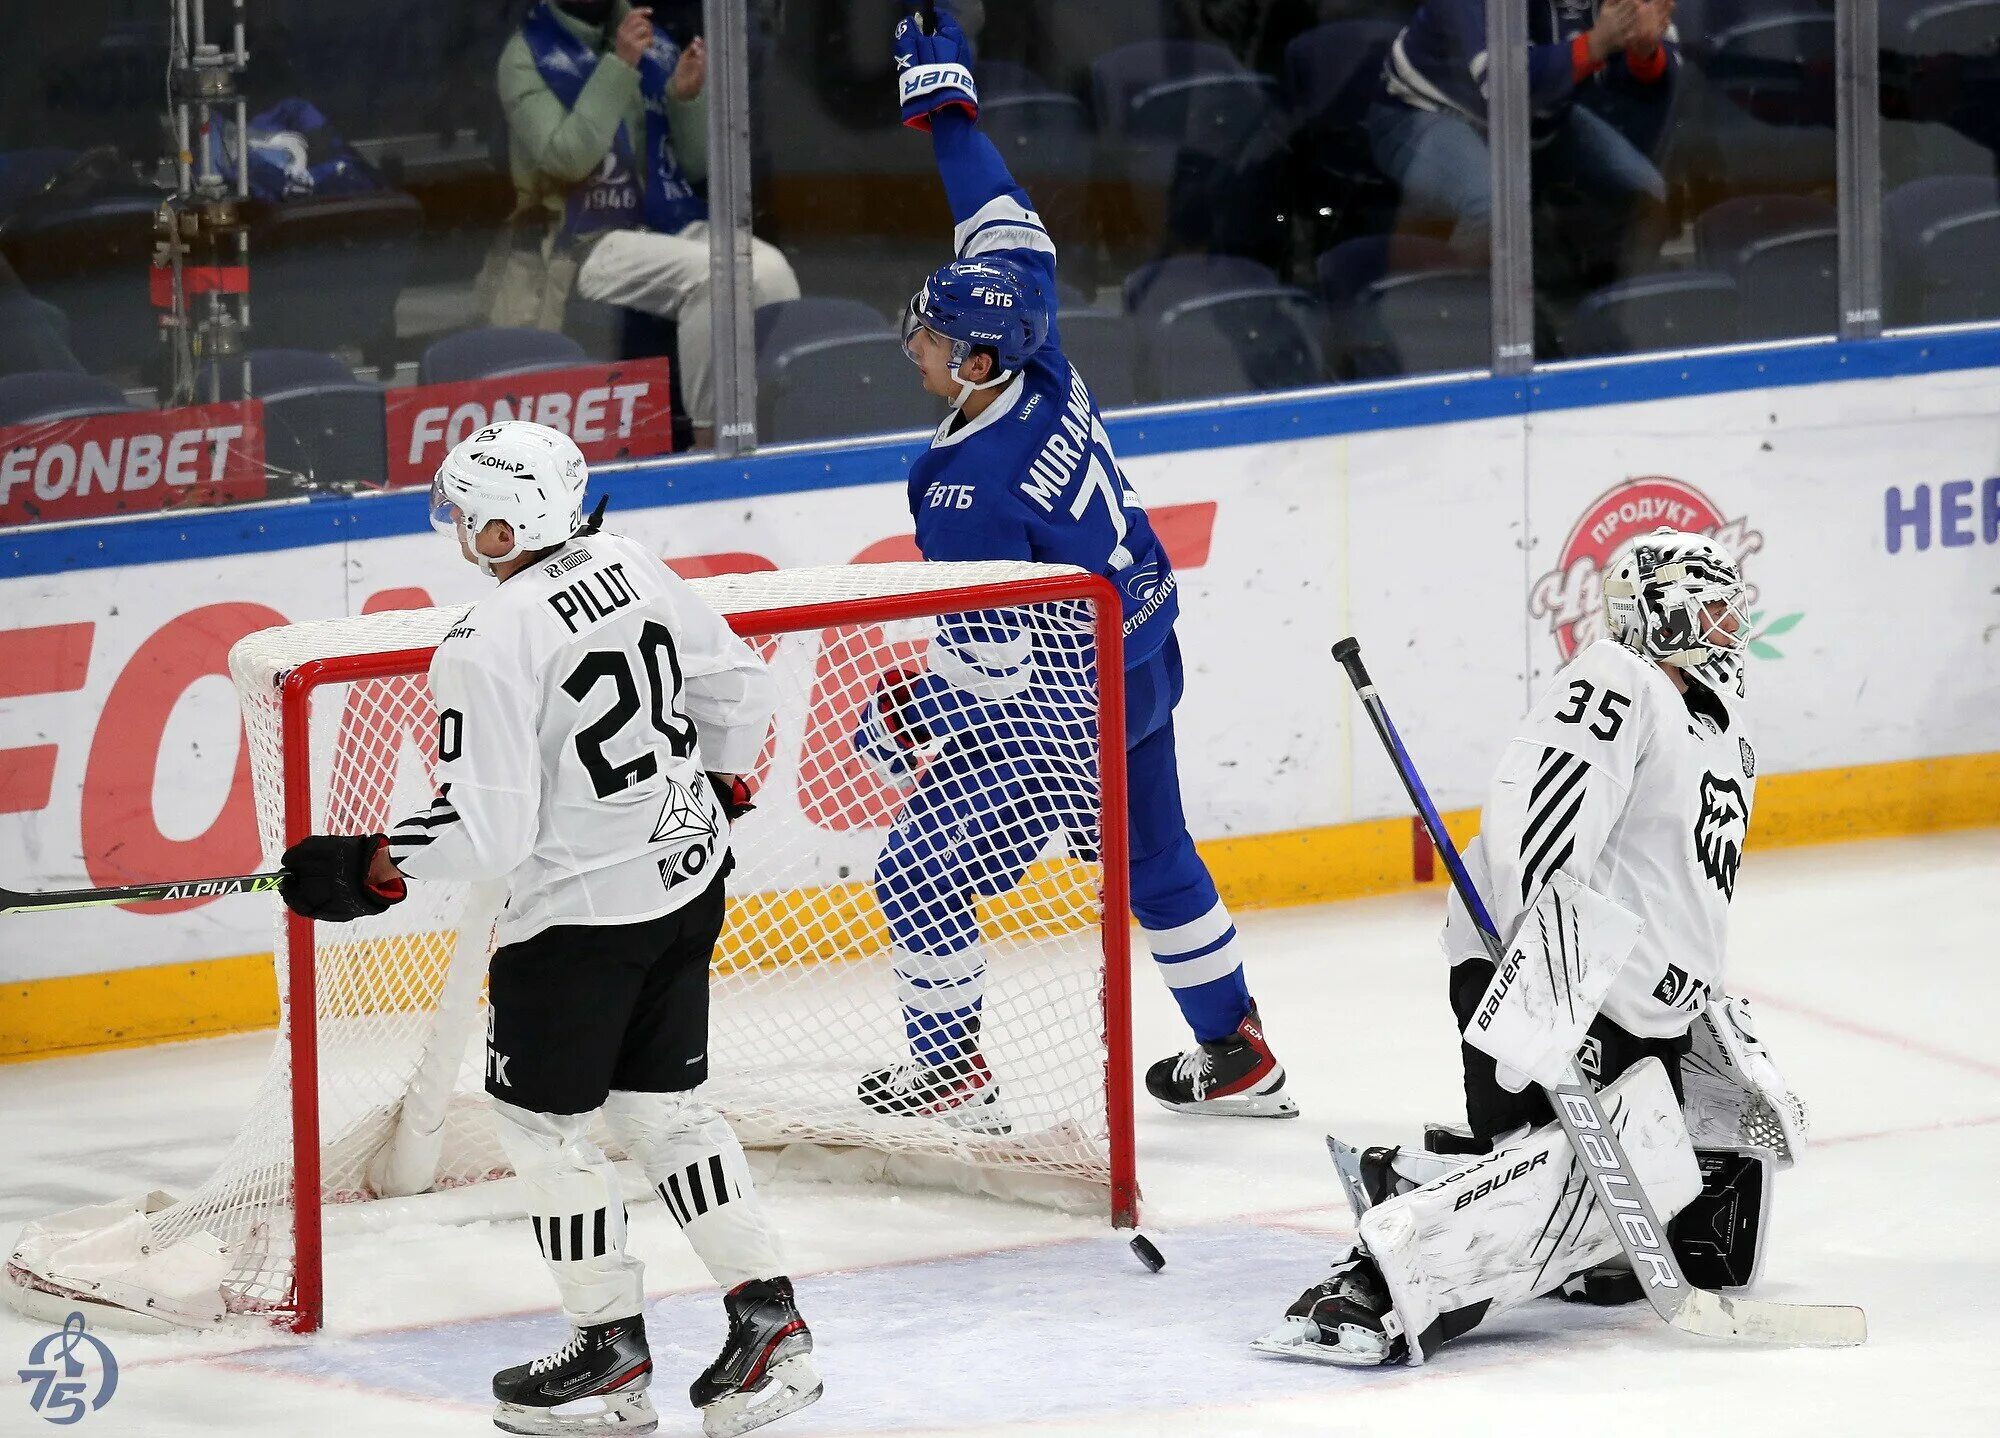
[(31, 338), (1427, 125), (606, 129)]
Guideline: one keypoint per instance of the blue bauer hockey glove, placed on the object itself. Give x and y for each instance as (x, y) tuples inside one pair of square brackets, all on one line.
[(933, 70)]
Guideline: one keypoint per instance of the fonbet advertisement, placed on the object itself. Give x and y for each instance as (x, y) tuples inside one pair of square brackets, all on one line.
[(1467, 558)]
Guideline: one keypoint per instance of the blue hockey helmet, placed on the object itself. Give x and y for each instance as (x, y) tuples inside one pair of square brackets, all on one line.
[(993, 303)]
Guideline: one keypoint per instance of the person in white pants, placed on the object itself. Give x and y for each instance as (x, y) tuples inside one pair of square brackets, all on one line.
[(606, 136)]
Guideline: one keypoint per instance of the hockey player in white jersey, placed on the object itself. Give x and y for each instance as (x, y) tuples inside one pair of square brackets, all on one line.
[(1607, 855), (594, 717)]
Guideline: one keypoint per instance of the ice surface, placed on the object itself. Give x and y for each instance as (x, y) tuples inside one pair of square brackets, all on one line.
[(1872, 966)]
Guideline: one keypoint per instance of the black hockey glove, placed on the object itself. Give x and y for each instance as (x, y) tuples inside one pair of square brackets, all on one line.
[(733, 792), (326, 878)]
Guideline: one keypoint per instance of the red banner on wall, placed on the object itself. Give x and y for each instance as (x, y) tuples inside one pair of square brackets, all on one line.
[(118, 463), (619, 411)]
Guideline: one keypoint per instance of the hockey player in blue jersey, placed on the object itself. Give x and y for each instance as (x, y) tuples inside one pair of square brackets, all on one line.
[(1022, 469)]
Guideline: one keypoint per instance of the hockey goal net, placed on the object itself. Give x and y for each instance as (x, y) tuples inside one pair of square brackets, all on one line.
[(375, 1086)]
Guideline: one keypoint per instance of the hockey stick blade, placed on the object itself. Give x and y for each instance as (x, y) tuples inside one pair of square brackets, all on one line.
[(1593, 1138), (1751, 1320), (14, 902)]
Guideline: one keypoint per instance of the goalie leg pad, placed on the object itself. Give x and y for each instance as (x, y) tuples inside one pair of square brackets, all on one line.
[(1492, 1235), (570, 1192), (692, 1159)]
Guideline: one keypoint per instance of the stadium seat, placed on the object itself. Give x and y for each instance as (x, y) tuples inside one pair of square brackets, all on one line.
[(839, 387), (1105, 351), (1197, 149), (59, 394), (1331, 73), (1161, 284), (809, 318), (326, 274), (23, 173), (34, 336), (999, 79), (1939, 239), (496, 353), (1940, 27), (1675, 310), (1216, 324), (1783, 251), (1404, 304), (322, 425), (91, 257), (1778, 67)]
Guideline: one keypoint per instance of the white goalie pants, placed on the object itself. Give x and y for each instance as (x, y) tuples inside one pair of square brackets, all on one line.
[(570, 1192)]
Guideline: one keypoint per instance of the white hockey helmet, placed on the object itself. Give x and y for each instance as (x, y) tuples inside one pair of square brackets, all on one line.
[(1661, 599), (527, 474)]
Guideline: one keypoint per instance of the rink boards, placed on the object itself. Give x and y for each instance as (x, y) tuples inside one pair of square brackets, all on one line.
[(1458, 528)]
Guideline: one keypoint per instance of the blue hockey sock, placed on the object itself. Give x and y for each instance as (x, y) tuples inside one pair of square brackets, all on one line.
[(941, 1038), (1198, 961)]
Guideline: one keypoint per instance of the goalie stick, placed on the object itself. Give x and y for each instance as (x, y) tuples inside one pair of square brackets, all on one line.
[(14, 902), (1634, 1221)]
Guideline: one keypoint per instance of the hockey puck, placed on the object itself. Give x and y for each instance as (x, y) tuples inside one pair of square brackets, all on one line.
[(1148, 1255)]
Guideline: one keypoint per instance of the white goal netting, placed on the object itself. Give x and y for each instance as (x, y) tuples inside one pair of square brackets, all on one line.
[(387, 1065)]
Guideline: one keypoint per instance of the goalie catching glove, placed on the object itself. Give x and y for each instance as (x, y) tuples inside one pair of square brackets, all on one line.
[(933, 71), (326, 878)]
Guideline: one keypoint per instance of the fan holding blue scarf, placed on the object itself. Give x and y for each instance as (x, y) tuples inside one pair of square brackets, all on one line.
[(607, 140)]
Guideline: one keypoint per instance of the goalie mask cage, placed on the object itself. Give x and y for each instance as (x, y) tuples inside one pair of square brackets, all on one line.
[(375, 1086)]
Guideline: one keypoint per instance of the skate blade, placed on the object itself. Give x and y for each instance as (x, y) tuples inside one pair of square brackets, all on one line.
[(1249, 1105), (1291, 1340), (628, 1411), (791, 1385)]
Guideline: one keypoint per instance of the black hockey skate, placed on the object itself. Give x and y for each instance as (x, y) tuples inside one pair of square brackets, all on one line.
[(1345, 1319), (609, 1362), (959, 1091), (1237, 1076), (764, 1371)]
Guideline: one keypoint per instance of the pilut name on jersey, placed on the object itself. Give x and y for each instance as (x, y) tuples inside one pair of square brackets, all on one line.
[(580, 704), (1644, 795)]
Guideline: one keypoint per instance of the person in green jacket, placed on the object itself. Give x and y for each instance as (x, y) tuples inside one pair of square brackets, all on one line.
[(607, 131)]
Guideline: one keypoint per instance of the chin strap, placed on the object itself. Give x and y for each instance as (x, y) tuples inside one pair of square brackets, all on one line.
[(966, 386)]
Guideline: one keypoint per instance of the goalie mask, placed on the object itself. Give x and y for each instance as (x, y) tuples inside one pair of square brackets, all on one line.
[(527, 474), (1676, 598)]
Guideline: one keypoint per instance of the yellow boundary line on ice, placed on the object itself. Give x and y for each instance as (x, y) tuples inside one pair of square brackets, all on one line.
[(125, 1008)]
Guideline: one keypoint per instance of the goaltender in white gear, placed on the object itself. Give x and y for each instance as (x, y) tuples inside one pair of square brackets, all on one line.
[(595, 719), (1608, 854)]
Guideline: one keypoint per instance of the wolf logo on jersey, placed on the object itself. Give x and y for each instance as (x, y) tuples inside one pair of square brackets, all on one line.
[(1719, 831)]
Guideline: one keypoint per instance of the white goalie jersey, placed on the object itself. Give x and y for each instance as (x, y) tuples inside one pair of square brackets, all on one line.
[(1639, 793), (580, 707)]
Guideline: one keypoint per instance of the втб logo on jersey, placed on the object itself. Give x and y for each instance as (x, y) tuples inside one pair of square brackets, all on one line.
[(1571, 596), (1719, 831)]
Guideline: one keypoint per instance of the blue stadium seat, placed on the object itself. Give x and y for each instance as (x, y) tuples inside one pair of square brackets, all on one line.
[(841, 386), (1105, 350), (809, 318), (1672, 311), (34, 336), (1940, 235), (91, 258), (496, 353), (1404, 304), (1240, 339), (59, 394), (322, 425), (1331, 74), (1783, 251), (326, 274), (24, 172), (1939, 27)]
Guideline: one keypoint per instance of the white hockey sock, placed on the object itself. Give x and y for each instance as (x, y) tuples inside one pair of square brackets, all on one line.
[(570, 1193), (691, 1157)]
